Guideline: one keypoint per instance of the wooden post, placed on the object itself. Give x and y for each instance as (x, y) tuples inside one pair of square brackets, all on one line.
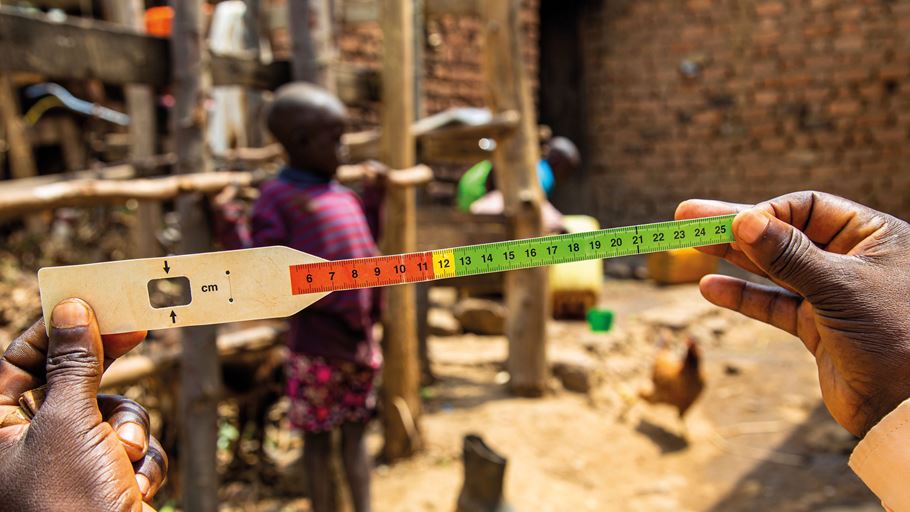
[(303, 52), (140, 105), (324, 41), (401, 374), (516, 161), (21, 158), (199, 371), (312, 44), (253, 25)]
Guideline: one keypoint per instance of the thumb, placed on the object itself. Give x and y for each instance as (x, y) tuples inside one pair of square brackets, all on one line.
[(74, 366), (785, 253)]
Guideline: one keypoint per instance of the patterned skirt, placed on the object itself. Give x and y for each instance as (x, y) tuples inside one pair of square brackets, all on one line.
[(327, 393)]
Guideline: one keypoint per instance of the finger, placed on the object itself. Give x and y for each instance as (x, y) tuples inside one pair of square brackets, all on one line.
[(783, 252), (769, 304), (131, 422), (117, 345), (74, 365), (699, 208), (23, 365), (151, 471)]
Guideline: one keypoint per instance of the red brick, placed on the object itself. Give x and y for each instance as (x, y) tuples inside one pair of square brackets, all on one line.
[(849, 43), (894, 72), (766, 98), (844, 107), (892, 136), (708, 118), (774, 144), (766, 9), (849, 13)]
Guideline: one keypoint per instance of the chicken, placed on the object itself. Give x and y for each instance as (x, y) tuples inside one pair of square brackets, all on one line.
[(677, 382)]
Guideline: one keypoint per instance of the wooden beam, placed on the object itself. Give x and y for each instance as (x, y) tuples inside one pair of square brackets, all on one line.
[(200, 373), (66, 5), (18, 200), (91, 49), (367, 11), (437, 8), (131, 370), (401, 373), (81, 49), (515, 160), (249, 72)]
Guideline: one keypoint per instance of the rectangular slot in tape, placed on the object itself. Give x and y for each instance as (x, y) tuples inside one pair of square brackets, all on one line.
[(169, 292)]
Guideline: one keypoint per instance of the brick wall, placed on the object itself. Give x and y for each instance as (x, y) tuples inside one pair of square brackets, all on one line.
[(452, 53), (779, 96)]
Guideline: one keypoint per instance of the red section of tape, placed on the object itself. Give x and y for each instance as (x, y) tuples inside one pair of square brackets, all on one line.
[(362, 273)]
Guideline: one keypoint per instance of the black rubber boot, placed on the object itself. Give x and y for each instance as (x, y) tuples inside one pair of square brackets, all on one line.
[(484, 474)]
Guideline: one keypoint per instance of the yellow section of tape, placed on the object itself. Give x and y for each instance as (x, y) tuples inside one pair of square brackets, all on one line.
[(444, 263)]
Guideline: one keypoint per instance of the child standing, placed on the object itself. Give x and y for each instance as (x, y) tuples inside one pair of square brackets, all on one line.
[(334, 359)]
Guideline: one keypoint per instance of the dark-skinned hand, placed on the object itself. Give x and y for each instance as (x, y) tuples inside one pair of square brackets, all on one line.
[(80, 450), (843, 272)]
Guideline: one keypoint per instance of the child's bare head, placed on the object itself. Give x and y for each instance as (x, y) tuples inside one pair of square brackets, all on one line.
[(309, 122)]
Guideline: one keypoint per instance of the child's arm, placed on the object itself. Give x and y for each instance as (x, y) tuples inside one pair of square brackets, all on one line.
[(372, 195), (236, 230)]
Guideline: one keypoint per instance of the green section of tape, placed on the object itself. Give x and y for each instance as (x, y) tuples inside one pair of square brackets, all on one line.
[(606, 243)]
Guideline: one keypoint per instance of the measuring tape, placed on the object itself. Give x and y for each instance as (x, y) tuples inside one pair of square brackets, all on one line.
[(273, 282)]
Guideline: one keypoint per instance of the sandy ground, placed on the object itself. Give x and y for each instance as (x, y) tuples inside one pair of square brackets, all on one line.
[(759, 439)]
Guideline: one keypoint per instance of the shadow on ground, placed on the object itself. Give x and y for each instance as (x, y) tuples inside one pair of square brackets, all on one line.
[(667, 441), (821, 482)]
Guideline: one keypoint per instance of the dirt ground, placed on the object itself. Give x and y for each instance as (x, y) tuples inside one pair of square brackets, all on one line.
[(759, 439)]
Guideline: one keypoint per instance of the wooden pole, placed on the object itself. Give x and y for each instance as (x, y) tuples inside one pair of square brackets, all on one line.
[(324, 41), (140, 105), (199, 372), (21, 158), (401, 374), (253, 25), (303, 51), (312, 44), (516, 161)]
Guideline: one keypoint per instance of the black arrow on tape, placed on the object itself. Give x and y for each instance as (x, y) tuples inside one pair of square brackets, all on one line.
[(167, 269), (173, 317)]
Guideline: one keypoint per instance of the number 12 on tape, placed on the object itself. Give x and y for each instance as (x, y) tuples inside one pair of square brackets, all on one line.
[(272, 282)]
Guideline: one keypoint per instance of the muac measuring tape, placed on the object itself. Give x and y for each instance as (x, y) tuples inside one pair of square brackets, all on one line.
[(273, 282)]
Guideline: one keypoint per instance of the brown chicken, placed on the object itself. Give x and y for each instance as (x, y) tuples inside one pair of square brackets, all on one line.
[(677, 382)]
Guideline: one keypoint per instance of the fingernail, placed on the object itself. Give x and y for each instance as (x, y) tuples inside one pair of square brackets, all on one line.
[(751, 225), (70, 313), (143, 484), (133, 435)]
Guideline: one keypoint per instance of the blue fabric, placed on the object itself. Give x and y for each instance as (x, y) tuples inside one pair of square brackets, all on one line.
[(546, 176), (302, 177)]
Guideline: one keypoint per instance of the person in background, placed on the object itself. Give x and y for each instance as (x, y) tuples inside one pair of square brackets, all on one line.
[(477, 193), (842, 285), (334, 359)]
